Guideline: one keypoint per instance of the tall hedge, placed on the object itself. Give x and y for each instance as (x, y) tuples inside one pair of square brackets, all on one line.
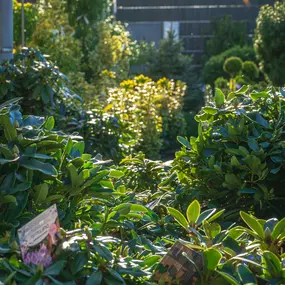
[(269, 42)]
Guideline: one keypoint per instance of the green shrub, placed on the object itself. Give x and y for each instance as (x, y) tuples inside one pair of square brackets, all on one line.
[(152, 111), (44, 89), (250, 70), (54, 37), (40, 166), (112, 51), (233, 66), (237, 159), (269, 39), (226, 34), (30, 21), (214, 66), (39, 82), (142, 52), (234, 254), (105, 134), (221, 83), (170, 61), (241, 80)]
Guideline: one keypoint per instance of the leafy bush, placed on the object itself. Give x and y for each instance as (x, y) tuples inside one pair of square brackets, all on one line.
[(124, 219), (233, 66), (105, 134), (237, 159), (42, 86), (214, 66), (269, 38), (223, 84), (235, 254), (151, 109), (112, 50), (40, 167), (30, 21), (169, 61), (54, 36), (250, 70), (142, 52)]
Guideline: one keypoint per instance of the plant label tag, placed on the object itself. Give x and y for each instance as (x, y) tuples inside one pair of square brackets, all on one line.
[(176, 268), (38, 238)]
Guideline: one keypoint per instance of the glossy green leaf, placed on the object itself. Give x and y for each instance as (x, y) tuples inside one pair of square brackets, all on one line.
[(245, 275), (151, 260), (49, 123), (278, 229), (95, 278), (205, 215), (178, 216), (41, 193), (219, 97), (231, 279), (45, 168), (253, 223), (272, 264), (9, 130), (55, 268), (253, 145), (184, 142), (116, 174), (8, 199), (212, 258), (216, 216), (258, 95), (193, 212), (210, 110), (116, 275)]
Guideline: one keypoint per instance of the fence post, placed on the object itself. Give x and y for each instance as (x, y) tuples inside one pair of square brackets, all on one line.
[(6, 30)]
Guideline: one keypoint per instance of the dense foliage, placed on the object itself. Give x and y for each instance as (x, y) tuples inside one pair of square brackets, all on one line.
[(54, 36), (250, 70), (42, 86), (118, 221), (170, 61), (226, 34), (151, 109), (214, 66), (119, 217), (40, 167), (111, 55), (30, 21), (233, 66), (236, 162), (269, 42)]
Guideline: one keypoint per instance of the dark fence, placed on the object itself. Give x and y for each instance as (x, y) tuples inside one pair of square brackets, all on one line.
[(147, 18)]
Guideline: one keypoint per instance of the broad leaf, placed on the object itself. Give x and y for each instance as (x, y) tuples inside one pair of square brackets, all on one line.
[(253, 223), (193, 212), (219, 97), (245, 275), (212, 258), (95, 279), (278, 229), (184, 142), (178, 216)]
